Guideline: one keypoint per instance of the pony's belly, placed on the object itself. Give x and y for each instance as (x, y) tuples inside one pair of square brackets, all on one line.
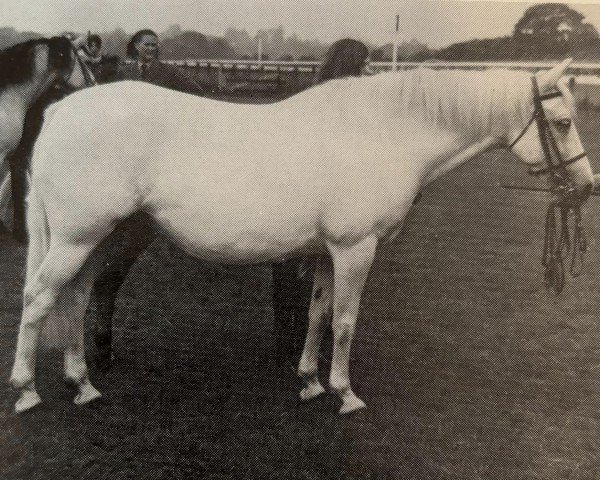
[(238, 243)]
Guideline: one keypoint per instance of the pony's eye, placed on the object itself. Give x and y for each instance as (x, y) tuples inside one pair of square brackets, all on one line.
[(564, 124)]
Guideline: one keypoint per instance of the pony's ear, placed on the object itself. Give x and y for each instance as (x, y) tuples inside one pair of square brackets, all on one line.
[(549, 79)]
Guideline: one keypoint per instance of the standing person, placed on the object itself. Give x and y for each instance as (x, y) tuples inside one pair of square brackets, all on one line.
[(292, 279), (344, 58), (144, 65), (134, 235), (103, 67)]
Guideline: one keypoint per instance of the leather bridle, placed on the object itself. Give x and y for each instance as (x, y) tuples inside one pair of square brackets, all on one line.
[(547, 140), (557, 241)]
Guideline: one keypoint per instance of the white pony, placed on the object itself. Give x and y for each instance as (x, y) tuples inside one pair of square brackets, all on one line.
[(332, 170)]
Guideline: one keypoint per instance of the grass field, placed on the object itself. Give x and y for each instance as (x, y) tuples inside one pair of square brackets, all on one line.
[(471, 370)]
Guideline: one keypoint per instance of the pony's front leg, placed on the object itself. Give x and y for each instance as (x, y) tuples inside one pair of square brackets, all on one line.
[(351, 266), (320, 305)]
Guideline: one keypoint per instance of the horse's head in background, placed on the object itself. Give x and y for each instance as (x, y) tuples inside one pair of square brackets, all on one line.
[(31, 67), (32, 75), (546, 138), (27, 71)]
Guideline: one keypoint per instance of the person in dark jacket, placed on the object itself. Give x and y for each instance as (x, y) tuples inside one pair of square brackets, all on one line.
[(292, 279), (144, 65)]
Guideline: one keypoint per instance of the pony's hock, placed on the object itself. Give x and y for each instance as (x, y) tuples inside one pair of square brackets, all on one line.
[(333, 187)]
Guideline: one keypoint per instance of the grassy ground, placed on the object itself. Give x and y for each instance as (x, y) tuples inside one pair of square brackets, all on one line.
[(471, 370)]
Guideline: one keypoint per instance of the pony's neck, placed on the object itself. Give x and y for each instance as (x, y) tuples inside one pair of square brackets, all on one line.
[(488, 143)]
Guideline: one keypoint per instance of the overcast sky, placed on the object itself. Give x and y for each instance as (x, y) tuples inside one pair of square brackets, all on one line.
[(437, 23)]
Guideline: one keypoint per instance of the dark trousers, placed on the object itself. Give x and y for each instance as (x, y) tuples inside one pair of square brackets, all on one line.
[(292, 288), (126, 244)]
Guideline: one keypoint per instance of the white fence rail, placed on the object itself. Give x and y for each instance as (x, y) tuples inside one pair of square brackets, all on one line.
[(586, 74), (275, 65)]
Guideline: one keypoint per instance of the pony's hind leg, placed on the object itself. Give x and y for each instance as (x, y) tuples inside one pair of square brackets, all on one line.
[(73, 302), (59, 266), (320, 305), (351, 266)]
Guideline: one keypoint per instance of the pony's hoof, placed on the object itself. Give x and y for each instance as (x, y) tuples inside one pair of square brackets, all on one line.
[(87, 394), (312, 390), (351, 404), (29, 399)]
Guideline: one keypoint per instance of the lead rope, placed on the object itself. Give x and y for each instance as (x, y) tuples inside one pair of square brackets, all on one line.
[(579, 244), (555, 251)]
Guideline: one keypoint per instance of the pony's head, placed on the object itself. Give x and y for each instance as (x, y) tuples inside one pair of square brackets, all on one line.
[(546, 138), (64, 58)]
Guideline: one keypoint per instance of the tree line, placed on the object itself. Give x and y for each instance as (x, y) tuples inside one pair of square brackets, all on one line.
[(545, 31)]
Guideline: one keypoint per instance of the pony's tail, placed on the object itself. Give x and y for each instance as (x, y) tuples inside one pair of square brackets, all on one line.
[(56, 327)]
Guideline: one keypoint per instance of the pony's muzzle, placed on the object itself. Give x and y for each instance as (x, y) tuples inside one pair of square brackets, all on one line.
[(583, 185)]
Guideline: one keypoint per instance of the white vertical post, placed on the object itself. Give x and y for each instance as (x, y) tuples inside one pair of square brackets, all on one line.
[(395, 46)]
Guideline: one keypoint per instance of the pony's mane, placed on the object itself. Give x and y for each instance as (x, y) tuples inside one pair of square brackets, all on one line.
[(17, 61), (476, 102)]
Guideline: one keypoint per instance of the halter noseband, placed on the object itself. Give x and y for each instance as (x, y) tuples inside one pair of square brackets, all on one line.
[(547, 140)]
